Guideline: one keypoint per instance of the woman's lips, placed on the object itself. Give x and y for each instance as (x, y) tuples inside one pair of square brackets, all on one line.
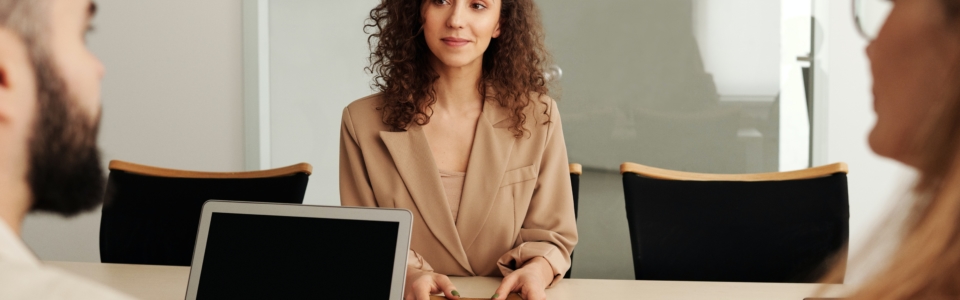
[(454, 42)]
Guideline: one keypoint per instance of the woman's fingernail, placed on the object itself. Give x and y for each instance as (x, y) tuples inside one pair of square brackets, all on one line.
[(495, 296), (455, 293)]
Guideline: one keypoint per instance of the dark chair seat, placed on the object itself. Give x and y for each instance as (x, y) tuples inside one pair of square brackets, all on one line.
[(151, 215), (777, 227)]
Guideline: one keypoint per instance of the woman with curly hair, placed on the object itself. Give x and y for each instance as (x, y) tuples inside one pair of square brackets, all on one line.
[(463, 135)]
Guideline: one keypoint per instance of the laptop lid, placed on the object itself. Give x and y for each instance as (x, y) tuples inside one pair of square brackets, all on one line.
[(250, 250)]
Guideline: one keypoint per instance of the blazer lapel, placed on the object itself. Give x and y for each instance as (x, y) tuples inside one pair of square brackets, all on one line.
[(492, 146), (414, 160)]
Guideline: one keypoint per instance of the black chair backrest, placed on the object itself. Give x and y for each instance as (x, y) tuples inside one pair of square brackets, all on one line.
[(776, 227), (575, 171), (153, 219)]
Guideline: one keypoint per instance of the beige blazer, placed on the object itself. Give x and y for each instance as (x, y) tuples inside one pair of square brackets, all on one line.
[(517, 203)]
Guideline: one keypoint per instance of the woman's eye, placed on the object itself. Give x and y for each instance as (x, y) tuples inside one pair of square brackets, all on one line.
[(479, 6), (441, 2)]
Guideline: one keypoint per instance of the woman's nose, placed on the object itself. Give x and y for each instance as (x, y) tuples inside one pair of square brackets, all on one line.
[(455, 20)]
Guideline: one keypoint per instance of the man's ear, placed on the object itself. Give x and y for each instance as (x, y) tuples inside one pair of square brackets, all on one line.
[(17, 86)]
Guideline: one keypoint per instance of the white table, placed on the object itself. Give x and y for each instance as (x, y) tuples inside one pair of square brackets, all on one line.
[(168, 283)]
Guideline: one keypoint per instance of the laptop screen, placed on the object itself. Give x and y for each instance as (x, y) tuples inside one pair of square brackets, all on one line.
[(283, 257)]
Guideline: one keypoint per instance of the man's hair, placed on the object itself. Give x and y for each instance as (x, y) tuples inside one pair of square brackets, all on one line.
[(26, 19)]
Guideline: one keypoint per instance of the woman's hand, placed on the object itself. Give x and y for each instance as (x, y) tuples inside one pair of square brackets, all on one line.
[(530, 281), (422, 284)]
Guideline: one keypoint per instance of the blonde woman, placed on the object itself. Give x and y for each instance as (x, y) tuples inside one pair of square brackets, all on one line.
[(915, 61)]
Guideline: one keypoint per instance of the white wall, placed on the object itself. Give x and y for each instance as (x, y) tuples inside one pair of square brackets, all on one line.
[(740, 47), (875, 183), (171, 98), (318, 51)]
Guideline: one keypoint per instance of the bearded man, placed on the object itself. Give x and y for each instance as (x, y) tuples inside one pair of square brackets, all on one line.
[(49, 117)]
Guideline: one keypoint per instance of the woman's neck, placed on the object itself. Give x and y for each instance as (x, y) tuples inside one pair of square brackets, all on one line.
[(457, 88)]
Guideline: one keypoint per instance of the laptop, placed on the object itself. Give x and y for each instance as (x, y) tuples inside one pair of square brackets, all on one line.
[(250, 250)]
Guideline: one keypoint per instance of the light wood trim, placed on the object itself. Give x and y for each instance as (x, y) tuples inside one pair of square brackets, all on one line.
[(576, 169), (117, 165), (657, 173)]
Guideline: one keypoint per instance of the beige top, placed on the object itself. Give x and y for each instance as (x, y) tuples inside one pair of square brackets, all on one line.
[(22, 276), (453, 188), (517, 203)]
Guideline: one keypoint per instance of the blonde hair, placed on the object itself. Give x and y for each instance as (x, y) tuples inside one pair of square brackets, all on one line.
[(926, 264)]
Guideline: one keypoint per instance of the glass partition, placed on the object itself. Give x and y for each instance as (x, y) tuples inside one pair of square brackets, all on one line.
[(695, 85), (716, 86)]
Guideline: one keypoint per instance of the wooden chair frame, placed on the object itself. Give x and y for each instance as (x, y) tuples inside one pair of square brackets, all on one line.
[(117, 165), (576, 169), (657, 173)]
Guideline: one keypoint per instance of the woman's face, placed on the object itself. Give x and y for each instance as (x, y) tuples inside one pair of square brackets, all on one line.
[(912, 60), (459, 31)]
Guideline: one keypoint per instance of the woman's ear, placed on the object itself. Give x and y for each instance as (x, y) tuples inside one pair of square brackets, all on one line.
[(496, 31)]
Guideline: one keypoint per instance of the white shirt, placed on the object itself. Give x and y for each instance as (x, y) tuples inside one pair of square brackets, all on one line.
[(22, 276)]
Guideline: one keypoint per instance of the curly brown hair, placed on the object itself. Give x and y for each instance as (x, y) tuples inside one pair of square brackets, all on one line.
[(512, 69)]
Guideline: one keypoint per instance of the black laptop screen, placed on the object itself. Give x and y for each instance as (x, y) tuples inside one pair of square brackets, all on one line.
[(281, 257)]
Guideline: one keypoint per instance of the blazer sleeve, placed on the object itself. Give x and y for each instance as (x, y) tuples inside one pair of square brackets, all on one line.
[(355, 188), (355, 185), (549, 229)]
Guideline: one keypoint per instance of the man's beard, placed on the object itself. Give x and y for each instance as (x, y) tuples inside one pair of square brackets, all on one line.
[(65, 174)]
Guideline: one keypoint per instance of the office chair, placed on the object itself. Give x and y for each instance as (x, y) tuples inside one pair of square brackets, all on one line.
[(151, 215), (575, 171), (773, 227)]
